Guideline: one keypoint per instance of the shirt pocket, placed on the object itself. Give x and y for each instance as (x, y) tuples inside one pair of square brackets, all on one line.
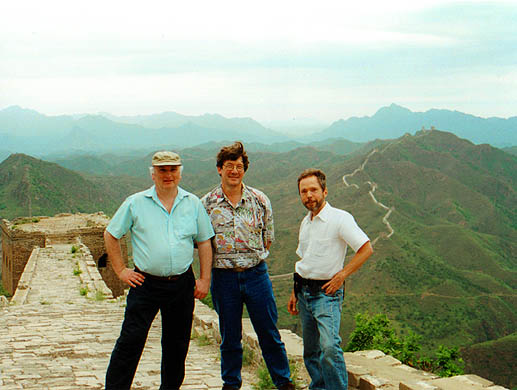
[(320, 248), (186, 227)]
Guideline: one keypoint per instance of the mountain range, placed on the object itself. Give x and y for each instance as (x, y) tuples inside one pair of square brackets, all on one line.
[(27, 131), (394, 121), (447, 272)]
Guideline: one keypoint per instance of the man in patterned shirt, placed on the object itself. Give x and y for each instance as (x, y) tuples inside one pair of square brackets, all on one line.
[(242, 219)]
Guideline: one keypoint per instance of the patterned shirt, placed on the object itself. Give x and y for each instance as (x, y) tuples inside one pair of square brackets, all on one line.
[(241, 232)]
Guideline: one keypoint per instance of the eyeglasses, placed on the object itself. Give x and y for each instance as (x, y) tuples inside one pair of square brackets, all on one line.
[(231, 167)]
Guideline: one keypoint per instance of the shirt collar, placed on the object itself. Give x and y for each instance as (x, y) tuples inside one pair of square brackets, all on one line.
[(151, 193), (221, 196), (323, 214)]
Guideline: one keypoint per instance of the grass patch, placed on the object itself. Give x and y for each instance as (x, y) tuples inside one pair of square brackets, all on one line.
[(99, 296), (84, 291), (266, 383), (248, 355), (203, 340), (21, 221), (77, 269), (3, 291)]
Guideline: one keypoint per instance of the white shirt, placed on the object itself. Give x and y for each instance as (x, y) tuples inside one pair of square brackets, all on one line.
[(322, 242)]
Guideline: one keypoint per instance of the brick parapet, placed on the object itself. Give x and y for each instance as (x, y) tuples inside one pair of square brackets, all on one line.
[(24, 284), (367, 370), (90, 276), (17, 246)]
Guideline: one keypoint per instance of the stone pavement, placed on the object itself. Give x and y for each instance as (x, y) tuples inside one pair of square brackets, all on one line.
[(68, 346), (53, 337), (58, 339)]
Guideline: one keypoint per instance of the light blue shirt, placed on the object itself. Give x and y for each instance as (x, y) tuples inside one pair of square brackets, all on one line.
[(163, 243)]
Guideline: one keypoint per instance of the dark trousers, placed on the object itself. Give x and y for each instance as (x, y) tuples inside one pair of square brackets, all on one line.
[(175, 300)]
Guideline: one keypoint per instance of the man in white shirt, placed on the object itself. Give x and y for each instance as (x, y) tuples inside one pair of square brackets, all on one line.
[(320, 275)]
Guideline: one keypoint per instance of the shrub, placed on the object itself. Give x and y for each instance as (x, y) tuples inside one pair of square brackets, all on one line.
[(376, 332), (448, 362)]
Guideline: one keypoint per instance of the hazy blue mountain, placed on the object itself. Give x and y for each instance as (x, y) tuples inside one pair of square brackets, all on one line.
[(297, 127), (394, 121), (27, 131), (17, 121), (207, 121)]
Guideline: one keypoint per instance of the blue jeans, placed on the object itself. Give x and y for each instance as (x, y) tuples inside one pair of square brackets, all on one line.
[(321, 316), (230, 290), (175, 300)]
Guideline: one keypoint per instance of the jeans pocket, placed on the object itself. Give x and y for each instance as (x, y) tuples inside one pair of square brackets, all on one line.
[(337, 295), (260, 269)]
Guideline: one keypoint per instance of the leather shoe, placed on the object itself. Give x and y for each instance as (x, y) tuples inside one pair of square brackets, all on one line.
[(287, 386)]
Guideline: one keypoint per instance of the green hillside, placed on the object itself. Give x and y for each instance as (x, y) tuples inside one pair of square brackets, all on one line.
[(32, 187), (494, 360), (449, 270)]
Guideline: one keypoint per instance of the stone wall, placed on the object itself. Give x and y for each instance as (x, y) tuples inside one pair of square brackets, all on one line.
[(17, 247), (367, 370), (19, 237), (95, 244)]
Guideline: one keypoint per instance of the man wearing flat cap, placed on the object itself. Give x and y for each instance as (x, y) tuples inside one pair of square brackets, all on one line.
[(165, 221)]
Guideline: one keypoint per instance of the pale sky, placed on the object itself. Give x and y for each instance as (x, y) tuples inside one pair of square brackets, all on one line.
[(269, 60)]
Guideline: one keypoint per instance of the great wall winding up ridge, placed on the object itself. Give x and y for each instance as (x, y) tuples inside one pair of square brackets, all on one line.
[(372, 190), (373, 187), (55, 337)]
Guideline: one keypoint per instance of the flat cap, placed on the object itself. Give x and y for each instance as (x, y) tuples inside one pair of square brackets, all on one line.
[(166, 158)]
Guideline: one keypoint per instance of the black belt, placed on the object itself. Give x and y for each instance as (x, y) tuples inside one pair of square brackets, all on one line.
[(314, 285), (170, 278)]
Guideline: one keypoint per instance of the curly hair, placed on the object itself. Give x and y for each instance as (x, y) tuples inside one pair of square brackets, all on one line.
[(232, 153)]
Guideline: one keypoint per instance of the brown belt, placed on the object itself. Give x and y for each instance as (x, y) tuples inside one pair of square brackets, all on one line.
[(238, 269), (170, 278)]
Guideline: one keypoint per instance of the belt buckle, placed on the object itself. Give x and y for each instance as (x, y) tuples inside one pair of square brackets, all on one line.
[(239, 269)]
